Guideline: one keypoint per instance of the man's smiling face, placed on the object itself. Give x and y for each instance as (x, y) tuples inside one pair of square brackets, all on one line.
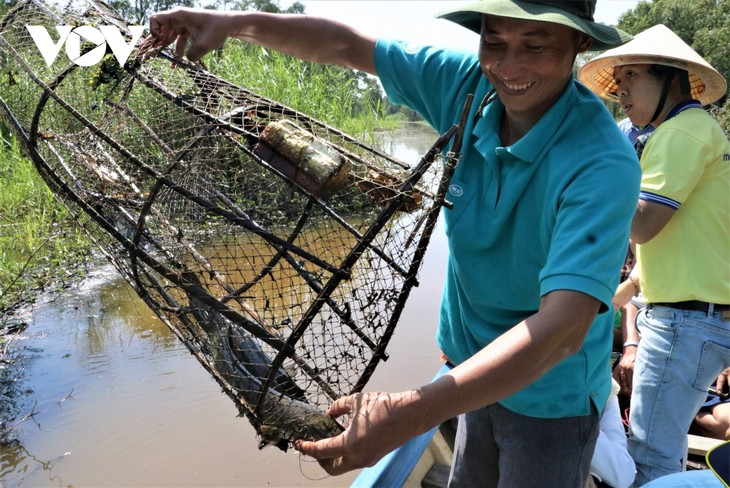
[(528, 62)]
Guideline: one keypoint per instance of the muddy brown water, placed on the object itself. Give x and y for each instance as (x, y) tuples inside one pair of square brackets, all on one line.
[(117, 400)]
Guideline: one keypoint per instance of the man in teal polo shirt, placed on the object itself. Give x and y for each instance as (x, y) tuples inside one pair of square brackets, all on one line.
[(543, 197)]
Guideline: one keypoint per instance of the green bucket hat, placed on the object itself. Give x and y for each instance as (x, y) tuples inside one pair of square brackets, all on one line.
[(576, 14)]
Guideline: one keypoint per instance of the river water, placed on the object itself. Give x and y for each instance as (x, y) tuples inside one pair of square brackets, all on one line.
[(114, 399)]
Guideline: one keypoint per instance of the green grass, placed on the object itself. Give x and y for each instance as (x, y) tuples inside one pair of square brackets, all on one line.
[(40, 244), (723, 117), (338, 96)]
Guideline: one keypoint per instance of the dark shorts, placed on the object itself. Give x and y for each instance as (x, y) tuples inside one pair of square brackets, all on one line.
[(496, 447)]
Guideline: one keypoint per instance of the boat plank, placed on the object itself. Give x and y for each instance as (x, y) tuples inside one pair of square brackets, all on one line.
[(699, 445)]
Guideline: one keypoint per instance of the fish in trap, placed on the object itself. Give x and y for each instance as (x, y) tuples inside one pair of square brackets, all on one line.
[(279, 250)]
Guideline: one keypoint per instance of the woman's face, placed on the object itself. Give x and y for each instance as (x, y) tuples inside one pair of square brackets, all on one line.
[(528, 62), (638, 92)]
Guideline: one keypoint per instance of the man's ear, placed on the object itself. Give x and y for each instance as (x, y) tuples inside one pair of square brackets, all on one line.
[(585, 44)]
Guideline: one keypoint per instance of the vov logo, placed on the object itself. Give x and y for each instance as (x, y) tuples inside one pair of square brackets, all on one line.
[(101, 37)]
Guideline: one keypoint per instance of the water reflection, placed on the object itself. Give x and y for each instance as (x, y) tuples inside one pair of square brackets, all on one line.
[(18, 463), (117, 400)]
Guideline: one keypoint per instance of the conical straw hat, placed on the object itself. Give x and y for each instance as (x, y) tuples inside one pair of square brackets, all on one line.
[(656, 45)]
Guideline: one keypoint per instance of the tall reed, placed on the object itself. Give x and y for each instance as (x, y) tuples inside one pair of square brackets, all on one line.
[(336, 95), (39, 242)]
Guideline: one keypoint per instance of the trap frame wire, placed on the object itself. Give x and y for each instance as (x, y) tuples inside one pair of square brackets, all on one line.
[(280, 250)]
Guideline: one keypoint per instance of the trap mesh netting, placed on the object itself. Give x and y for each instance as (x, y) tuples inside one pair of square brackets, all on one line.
[(278, 249)]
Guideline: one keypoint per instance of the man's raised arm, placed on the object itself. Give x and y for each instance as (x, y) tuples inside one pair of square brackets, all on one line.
[(196, 32)]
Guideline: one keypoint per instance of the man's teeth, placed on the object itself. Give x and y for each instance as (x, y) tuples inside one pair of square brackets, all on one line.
[(519, 86)]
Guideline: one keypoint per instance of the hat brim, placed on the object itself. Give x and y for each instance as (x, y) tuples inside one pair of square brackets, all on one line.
[(657, 45), (469, 15)]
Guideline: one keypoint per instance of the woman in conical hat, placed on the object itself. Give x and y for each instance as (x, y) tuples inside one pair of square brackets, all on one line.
[(657, 45), (682, 231)]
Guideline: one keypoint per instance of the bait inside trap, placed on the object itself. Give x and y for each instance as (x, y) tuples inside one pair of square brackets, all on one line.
[(278, 249)]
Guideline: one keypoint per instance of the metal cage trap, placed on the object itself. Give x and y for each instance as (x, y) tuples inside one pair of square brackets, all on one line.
[(278, 249)]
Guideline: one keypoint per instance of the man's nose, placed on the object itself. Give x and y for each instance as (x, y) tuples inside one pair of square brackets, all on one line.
[(509, 63)]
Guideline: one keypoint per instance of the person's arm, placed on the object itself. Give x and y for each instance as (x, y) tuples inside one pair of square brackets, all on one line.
[(627, 289), (199, 31), (631, 286), (650, 218), (380, 422), (623, 372)]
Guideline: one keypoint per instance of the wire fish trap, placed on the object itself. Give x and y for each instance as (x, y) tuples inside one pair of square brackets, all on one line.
[(278, 249)]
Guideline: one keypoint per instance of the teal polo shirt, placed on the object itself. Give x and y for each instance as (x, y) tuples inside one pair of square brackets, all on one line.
[(551, 212)]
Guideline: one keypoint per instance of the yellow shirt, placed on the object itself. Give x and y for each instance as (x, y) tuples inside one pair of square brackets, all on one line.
[(686, 165)]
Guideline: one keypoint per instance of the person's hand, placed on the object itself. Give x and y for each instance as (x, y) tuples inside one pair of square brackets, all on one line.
[(722, 385), (379, 423), (204, 30), (623, 372)]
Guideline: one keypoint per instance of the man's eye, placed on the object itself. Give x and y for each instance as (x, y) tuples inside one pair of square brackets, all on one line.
[(491, 44)]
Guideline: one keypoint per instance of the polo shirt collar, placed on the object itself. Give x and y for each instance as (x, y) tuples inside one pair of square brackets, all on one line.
[(531, 146)]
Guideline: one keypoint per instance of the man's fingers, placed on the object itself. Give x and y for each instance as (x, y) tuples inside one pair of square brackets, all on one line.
[(154, 26), (335, 467), (196, 52), (180, 44), (329, 453), (341, 406), (329, 448), (161, 28)]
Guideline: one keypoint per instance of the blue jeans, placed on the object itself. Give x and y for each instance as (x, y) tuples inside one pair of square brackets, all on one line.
[(496, 447), (700, 478), (680, 355)]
